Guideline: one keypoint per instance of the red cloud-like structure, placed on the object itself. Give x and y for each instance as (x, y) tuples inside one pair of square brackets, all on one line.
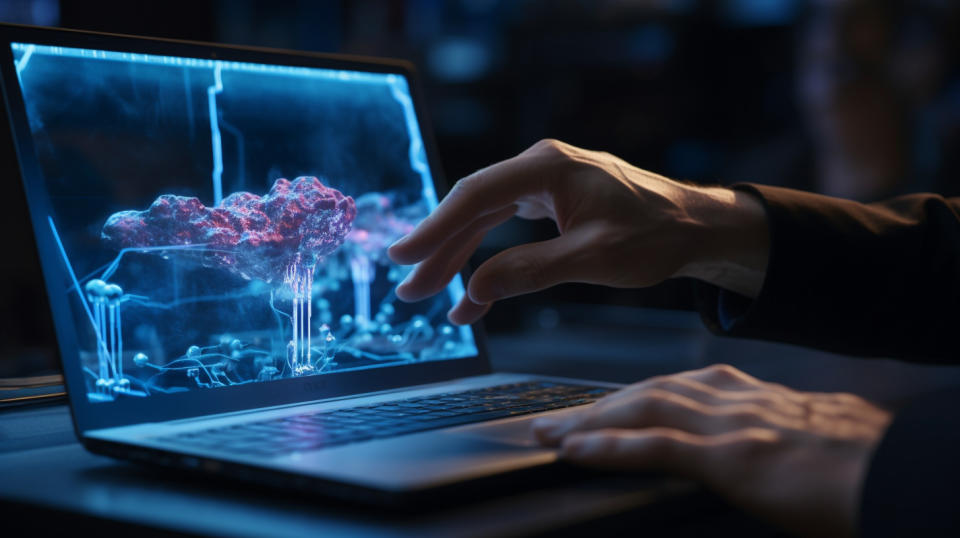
[(299, 222)]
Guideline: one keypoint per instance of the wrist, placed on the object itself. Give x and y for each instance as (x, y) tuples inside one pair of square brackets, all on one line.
[(731, 245)]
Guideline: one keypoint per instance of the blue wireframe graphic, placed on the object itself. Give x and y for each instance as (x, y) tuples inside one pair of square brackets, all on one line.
[(202, 267), (215, 138)]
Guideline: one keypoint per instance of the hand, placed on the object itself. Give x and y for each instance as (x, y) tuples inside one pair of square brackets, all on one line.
[(618, 226), (796, 458)]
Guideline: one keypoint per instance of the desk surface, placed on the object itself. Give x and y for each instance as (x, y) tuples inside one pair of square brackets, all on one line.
[(49, 480)]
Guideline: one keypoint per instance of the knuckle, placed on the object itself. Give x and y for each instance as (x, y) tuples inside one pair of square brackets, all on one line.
[(722, 371), (458, 189), (549, 147), (474, 181), (468, 183), (848, 398), (659, 382), (547, 144)]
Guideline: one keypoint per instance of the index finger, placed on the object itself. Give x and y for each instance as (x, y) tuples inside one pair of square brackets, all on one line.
[(666, 449), (481, 193)]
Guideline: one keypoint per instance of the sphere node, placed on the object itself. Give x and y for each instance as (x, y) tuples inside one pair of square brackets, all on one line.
[(112, 293), (96, 291)]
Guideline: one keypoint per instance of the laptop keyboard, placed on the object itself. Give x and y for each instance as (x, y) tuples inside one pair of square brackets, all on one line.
[(321, 429)]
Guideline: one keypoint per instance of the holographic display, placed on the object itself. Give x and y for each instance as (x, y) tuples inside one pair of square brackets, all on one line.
[(291, 229), (194, 261)]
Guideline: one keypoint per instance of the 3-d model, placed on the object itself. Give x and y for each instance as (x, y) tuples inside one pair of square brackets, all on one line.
[(179, 278)]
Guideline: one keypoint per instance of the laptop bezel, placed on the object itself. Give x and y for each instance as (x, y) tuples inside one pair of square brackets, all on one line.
[(89, 415)]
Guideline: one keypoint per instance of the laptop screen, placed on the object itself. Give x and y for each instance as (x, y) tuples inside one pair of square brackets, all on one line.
[(225, 223)]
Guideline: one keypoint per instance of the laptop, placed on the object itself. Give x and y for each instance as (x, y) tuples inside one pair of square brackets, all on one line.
[(212, 223)]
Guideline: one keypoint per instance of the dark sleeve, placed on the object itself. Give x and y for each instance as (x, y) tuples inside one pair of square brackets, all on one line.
[(862, 279), (911, 487)]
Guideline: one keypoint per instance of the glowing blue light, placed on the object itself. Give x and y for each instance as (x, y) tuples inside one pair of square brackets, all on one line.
[(760, 12), (418, 157), (25, 59), (178, 61), (459, 59), (73, 276), (215, 139), (418, 162), (237, 352)]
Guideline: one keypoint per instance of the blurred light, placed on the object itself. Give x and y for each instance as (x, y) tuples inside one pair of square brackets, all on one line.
[(459, 60), (39, 12), (652, 43), (760, 12)]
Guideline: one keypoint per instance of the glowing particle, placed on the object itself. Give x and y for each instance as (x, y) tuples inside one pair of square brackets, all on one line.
[(140, 359), (193, 351), (96, 291), (112, 293)]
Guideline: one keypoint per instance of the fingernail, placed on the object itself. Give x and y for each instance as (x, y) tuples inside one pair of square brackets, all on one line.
[(545, 423), (406, 280), (400, 289), (400, 241), (550, 429)]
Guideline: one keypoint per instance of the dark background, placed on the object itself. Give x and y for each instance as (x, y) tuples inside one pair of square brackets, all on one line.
[(859, 101)]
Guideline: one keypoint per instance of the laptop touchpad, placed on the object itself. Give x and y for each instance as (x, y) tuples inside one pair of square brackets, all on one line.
[(516, 432)]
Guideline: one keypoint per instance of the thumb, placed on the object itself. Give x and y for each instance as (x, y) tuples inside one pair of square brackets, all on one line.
[(530, 267)]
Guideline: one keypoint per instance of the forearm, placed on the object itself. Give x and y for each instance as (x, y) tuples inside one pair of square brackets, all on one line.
[(876, 280)]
